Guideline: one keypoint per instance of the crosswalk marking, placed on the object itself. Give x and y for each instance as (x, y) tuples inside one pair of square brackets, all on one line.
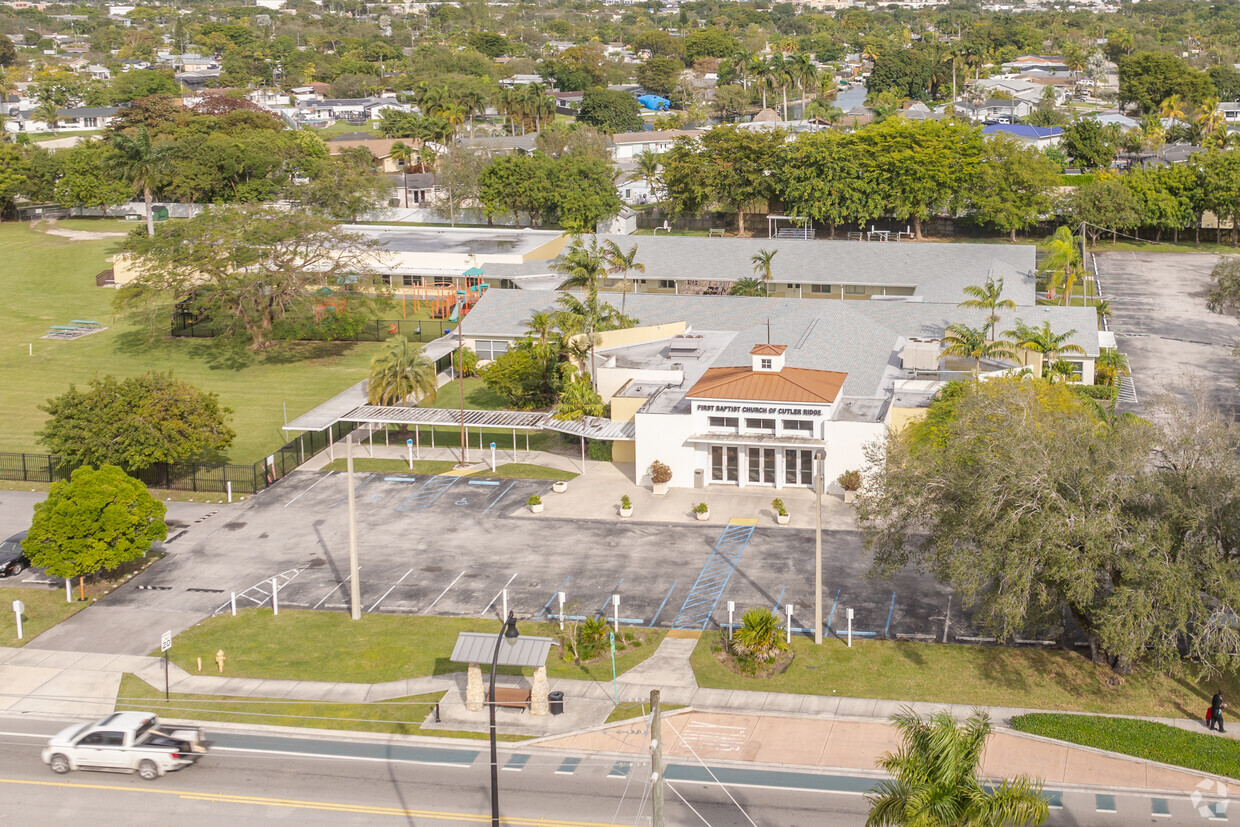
[(568, 767)]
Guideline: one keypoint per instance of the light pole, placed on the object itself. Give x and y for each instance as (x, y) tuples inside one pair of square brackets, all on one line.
[(820, 467), (510, 634)]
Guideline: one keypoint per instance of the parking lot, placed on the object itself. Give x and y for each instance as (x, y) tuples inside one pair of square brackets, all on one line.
[(1160, 320), (455, 546)]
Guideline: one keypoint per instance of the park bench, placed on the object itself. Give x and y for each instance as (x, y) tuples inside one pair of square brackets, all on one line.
[(512, 697), (856, 236), (84, 323), (715, 231)]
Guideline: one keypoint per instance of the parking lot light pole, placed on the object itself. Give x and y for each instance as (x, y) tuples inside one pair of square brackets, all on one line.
[(355, 591), (820, 467), (510, 634)]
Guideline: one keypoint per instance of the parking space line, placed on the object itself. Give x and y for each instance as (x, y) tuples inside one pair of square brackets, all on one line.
[(607, 602), (887, 628), (389, 591), (500, 497), (834, 603), (445, 591), (335, 588), (554, 595), (425, 496), (666, 597), (365, 483), (779, 601), (498, 593), (316, 482)]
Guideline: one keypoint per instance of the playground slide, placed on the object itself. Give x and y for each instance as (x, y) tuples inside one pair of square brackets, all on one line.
[(456, 311)]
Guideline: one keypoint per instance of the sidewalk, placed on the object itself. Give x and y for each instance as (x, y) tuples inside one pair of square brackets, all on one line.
[(807, 730)]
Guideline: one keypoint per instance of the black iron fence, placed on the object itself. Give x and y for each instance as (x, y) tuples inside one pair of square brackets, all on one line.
[(372, 330), (193, 477)]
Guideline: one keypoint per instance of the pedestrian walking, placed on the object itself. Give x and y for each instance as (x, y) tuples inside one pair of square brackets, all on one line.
[(1216, 711)]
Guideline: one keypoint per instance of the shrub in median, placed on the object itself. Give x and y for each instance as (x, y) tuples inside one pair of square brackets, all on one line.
[(1140, 739)]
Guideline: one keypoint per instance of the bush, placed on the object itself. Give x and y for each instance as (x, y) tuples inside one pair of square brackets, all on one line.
[(757, 641), (1140, 739), (534, 500), (701, 508), (660, 474), (600, 451), (777, 505), (468, 358), (625, 502), (333, 325), (850, 480), (1106, 393)]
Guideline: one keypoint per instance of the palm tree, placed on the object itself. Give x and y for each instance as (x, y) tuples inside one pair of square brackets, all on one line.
[(748, 286), (1063, 257), (1043, 340), (540, 328), (1172, 109), (400, 373), (143, 164), (1210, 123), (987, 297), (577, 398), (403, 154), (742, 63), (805, 73), (780, 77), (618, 261), (1110, 366), (972, 343), (587, 317), (584, 264), (647, 169), (823, 109), (762, 265), (49, 112), (935, 781)]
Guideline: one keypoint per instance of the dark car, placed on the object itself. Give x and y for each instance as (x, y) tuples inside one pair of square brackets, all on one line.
[(12, 559)]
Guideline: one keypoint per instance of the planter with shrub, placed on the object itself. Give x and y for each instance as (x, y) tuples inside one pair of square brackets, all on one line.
[(535, 503), (701, 511), (660, 476), (626, 506), (781, 512), (850, 481)]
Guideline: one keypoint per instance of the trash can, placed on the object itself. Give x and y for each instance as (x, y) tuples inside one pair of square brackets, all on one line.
[(699, 478), (556, 701)]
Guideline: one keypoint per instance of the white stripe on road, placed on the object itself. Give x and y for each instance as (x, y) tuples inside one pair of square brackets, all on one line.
[(290, 502), (442, 593), (333, 591), (498, 593), (389, 591)]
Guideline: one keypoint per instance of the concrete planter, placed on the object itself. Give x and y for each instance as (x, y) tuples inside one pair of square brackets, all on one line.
[(703, 517), (660, 488), (536, 509), (559, 487), (850, 496), (626, 512), (782, 519)]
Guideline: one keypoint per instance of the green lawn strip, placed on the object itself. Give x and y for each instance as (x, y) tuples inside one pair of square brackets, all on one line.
[(328, 646), (626, 712), (525, 471), (47, 280), (401, 715), (93, 225), (393, 466), (1027, 678), (44, 609), (1140, 739)]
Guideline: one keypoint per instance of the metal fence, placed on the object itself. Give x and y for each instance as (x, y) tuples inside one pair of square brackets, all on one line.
[(193, 477), (375, 330)]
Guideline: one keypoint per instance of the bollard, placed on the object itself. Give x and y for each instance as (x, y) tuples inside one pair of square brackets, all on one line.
[(731, 611), (849, 614), (615, 607), (219, 660), (275, 603), (232, 601), (228, 488), (789, 607), (561, 611), (200, 663)]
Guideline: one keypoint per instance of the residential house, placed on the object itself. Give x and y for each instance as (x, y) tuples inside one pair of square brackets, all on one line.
[(629, 145), (1037, 136)]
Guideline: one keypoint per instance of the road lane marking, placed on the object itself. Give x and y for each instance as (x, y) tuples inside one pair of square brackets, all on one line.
[(389, 591), (224, 798), (500, 592)]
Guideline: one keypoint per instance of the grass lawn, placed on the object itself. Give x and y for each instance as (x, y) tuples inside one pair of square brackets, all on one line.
[(48, 280), (328, 646), (341, 128), (987, 675), (94, 225), (44, 609), (525, 471), (1141, 739), (393, 466)]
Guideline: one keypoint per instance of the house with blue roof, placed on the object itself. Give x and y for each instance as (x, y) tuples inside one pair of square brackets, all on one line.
[(1039, 136)]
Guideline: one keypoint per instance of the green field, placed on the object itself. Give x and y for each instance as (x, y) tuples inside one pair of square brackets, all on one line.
[(1051, 679), (48, 280), (329, 646), (44, 609)]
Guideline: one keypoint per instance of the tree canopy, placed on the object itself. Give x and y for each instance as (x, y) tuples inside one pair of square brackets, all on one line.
[(136, 422), (94, 521)]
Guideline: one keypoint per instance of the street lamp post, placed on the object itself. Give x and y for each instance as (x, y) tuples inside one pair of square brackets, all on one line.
[(510, 634), (820, 467)]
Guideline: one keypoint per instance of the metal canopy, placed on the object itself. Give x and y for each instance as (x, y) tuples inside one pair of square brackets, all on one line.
[(329, 413), (479, 647), (593, 427), (590, 427)]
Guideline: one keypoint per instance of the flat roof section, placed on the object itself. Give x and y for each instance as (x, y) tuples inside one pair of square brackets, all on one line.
[(457, 240)]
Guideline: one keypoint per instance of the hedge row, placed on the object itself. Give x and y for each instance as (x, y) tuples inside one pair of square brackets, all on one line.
[(1202, 751)]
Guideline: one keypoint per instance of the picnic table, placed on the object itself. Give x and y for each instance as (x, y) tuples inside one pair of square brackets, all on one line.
[(84, 323), (881, 235)]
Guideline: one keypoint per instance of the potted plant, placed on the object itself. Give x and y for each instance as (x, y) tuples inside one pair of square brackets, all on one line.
[(781, 513), (535, 504), (559, 486), (850, 481), (626, 506), (660, 476), (702, 511)]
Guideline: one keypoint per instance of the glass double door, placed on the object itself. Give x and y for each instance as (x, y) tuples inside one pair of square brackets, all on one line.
[(724, 463), (727, 463), (761, 466)]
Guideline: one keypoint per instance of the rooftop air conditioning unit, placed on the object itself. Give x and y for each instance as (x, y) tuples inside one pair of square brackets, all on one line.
[(920, 354), (682, 345)]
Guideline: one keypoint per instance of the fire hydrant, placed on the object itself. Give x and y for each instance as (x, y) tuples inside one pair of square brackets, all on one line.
[(219, 660)]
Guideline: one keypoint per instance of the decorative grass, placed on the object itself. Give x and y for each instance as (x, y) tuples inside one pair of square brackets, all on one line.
[(1152, 741), (44, 609), (1024, 678), (525, 471), (329, 646)]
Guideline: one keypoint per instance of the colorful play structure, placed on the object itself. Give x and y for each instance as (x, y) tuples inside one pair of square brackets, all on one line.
[(444, 299)]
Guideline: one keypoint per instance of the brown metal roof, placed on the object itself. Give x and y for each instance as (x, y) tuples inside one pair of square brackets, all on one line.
[(768, 350), (787, 385)]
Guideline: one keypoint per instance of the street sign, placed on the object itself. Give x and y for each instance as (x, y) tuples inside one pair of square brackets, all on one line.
[(19, 606), (165, 642)]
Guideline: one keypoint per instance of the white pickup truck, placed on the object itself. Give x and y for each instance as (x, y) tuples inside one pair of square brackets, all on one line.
[(125, 742)]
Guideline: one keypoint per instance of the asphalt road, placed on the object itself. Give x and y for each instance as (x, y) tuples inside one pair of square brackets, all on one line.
[(252, 778), (451, 546)]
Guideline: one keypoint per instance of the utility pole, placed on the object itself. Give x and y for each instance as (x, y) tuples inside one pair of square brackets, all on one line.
[(820, 468), (355, 589), (656, 759)]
